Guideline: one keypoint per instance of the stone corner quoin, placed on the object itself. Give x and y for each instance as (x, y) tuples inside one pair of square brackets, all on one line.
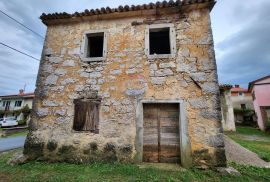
[(121, 82)]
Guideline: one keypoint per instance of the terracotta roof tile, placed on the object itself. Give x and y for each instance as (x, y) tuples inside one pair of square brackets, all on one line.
[(239, 89), (30, 94), (108, 10)]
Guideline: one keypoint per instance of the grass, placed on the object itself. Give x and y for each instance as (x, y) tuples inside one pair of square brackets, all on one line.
[(107, 172), (254, 140), (21, 133)]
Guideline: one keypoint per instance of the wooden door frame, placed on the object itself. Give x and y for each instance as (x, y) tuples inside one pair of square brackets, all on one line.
[(185, 146)]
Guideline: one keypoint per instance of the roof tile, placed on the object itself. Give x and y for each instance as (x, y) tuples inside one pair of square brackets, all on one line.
[(108, 10)]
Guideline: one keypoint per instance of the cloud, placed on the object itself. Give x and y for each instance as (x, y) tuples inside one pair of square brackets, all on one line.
[(244, 56), (17, 69), (240, 32)]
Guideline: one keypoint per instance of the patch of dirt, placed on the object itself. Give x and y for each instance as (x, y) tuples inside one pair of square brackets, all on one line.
[(4, 177), (241, 155)]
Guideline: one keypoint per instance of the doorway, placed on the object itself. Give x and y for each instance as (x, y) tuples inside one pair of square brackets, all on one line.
[(161, 140), (266, 117)]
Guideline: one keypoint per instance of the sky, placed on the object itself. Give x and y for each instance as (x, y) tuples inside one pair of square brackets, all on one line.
[(240, 29)]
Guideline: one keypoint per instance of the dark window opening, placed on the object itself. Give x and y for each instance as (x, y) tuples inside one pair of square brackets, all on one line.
[(7, 105), (159, 41), (243, 106), (95, 45), (86, 116), (18, 103)]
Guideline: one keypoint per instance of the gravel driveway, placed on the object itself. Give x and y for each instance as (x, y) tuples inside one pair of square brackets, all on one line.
[(239, 154)]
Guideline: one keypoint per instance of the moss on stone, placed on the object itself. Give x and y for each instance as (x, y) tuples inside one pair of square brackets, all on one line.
[(51, 145), (127, 149), (66, 149), (93, 146), (109, 153), (33, 147)]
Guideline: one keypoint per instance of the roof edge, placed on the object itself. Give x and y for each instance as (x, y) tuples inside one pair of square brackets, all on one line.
[(251, 84), (159, 8), (26, 95)]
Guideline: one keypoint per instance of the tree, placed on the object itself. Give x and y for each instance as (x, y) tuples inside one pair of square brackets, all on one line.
[(26, 111)]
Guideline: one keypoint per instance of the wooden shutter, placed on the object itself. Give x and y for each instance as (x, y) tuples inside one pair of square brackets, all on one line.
[(86, 115)]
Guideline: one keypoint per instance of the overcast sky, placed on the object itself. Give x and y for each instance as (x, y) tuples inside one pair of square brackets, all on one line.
[(240, 27)]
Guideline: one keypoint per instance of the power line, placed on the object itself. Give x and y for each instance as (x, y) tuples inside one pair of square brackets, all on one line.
[(22, 24), (19, 51)]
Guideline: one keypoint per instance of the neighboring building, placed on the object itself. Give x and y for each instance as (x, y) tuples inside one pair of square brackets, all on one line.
[(228, 122), (241, 98), (243, 106), (9, 104), (260, 90), (133, 84)]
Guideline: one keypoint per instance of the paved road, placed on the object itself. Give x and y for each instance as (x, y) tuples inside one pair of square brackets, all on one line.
[(239, 154), (11, 143)]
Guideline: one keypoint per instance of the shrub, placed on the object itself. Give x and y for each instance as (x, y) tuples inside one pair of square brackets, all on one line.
[(26, 111), (21, 122), (243, 111)]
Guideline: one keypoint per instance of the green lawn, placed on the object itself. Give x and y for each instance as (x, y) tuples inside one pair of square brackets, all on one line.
[(22, 133), (254, 140), (105, 172)]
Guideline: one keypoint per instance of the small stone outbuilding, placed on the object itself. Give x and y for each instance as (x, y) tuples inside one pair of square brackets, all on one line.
[(131, 84)]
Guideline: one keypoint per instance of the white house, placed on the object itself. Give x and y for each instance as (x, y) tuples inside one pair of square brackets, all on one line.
[(9, 104)]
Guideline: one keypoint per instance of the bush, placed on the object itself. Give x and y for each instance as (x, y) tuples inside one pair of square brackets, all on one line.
[(243, 111), (21, 122), (26, 111)]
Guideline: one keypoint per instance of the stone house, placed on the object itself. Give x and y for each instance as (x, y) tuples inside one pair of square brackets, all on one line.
[(243, 106), (132, 84), (241, 97)]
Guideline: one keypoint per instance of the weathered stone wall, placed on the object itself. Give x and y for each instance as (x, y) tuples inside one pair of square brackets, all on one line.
[(125, 77), (227, 111)]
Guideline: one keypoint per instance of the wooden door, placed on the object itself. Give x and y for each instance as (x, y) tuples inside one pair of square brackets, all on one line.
[(161, 141)]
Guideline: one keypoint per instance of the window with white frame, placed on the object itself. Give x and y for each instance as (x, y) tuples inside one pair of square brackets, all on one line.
[(160, 41), (94, 46)]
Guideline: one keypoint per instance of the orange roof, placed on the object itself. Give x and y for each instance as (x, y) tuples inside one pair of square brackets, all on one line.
[(239, 89), (107, 11), (27, 95)]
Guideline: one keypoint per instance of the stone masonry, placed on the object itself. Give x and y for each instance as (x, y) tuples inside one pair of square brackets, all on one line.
[(124, 78)]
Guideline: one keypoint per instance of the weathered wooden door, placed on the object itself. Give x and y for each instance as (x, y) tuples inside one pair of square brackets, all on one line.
[(161, 141)]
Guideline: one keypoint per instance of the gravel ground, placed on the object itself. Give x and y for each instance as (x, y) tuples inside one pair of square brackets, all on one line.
[(239, 154)]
